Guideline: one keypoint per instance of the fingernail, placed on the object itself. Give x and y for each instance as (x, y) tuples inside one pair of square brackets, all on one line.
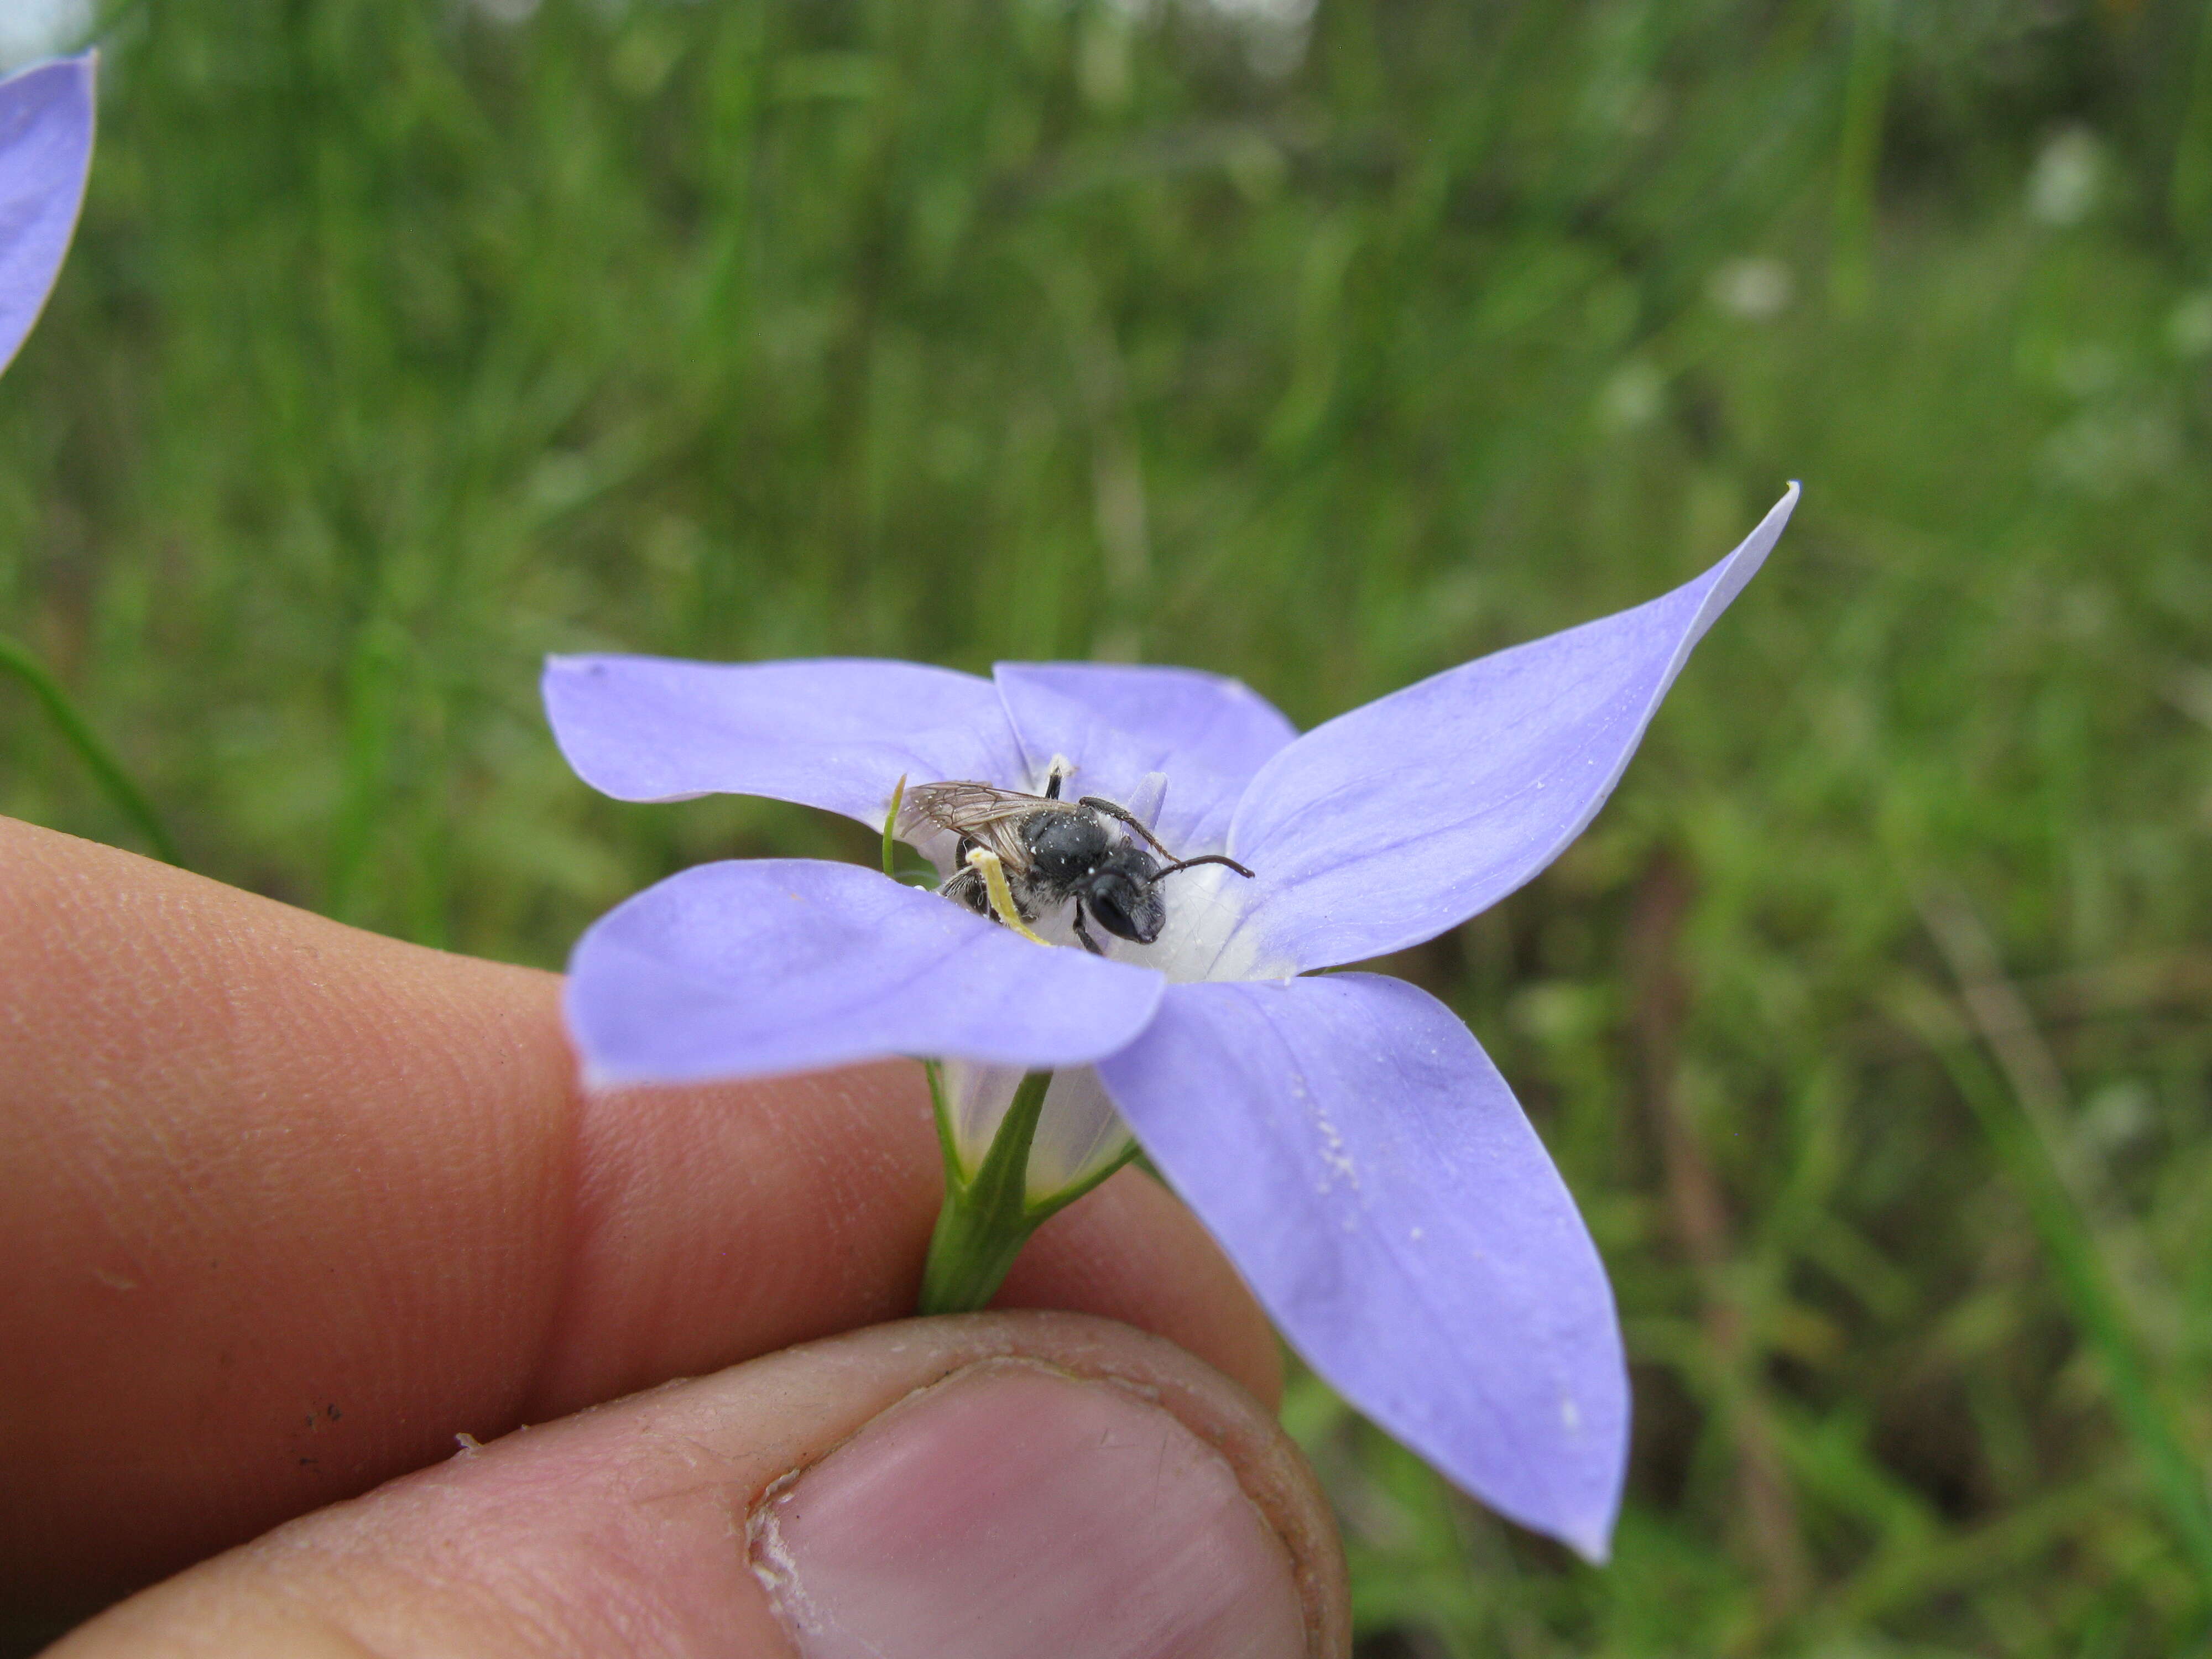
[(1014, 1511)]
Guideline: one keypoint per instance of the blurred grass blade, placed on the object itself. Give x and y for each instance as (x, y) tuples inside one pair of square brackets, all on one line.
[(2190, 185), (128, 798), (2023, 1119), (1858, 155)]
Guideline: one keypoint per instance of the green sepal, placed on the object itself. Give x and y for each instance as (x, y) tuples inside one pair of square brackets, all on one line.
[(1043, 1209), (989, 1215), (986, 1220)]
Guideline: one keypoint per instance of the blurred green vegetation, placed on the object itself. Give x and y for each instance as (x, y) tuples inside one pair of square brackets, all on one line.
[(407, 340)]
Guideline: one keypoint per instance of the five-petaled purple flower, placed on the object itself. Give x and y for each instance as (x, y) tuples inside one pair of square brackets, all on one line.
[(46, 151), (1342, 1135)]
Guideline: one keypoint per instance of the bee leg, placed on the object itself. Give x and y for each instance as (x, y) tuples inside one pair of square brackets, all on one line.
[(966, 887), (986, 866), (1083, 933)]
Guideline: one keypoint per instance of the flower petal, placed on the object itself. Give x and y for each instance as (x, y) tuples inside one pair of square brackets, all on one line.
[(1117, 722), (835, 733), (1400, 820), (1185, 716), (46, 151), (1366, 1168), (767, 965)]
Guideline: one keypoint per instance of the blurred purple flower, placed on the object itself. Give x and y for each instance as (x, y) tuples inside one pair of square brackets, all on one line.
[(46, 151), (1343, 1136)]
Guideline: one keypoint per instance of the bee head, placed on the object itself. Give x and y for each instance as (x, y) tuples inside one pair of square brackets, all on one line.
[(1121, 894)]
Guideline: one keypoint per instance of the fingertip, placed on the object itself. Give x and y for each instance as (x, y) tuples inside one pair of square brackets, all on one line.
[(923, 1489)]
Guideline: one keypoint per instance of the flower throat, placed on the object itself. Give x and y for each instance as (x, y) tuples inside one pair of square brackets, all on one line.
[(1019, 857)]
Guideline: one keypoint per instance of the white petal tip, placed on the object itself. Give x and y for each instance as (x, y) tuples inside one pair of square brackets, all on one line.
[(1598, 1552), (1592, 1541)]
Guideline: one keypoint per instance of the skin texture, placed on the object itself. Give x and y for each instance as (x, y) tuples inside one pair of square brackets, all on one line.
[(627, 1528), (288, 1205)]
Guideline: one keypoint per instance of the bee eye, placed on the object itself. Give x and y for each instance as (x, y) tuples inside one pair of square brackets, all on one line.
[(1127, 909)]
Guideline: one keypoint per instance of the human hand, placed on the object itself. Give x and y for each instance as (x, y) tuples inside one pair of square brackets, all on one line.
[(291, 1206)]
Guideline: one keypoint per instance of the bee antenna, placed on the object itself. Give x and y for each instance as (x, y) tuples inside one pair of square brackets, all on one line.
[(1204, 858)]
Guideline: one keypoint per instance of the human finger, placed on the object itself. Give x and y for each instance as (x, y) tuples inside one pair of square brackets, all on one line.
[(288, 1205), (980, 1485)]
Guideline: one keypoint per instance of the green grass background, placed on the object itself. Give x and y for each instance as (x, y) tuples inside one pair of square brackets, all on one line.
[(402, 343)]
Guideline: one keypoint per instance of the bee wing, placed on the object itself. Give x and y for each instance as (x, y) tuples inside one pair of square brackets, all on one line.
[(966, 809), (990, 815)]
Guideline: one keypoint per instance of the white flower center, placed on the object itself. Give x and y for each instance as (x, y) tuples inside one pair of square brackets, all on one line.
[(1203, 906), (1201, 939)]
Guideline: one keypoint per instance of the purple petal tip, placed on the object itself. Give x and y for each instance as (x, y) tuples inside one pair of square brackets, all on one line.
[(1367, 1169), (45, 154)]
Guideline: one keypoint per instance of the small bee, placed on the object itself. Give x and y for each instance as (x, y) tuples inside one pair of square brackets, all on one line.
[(1053, 851)]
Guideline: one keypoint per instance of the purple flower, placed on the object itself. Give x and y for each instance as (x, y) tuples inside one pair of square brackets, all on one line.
[(1342, 1135), (46, 151)]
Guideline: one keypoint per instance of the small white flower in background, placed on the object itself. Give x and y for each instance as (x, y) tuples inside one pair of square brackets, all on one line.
[(1276, 32), (2067, 178), (1758, 290), (1633, 397)]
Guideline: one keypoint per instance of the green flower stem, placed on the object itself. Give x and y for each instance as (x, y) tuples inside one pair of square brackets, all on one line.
[(989, 1216)]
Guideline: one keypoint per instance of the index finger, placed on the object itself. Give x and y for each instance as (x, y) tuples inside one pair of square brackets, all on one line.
[(290, 1206)]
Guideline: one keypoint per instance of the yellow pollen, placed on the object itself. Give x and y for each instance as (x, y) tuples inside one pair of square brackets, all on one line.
[(987, 864)]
